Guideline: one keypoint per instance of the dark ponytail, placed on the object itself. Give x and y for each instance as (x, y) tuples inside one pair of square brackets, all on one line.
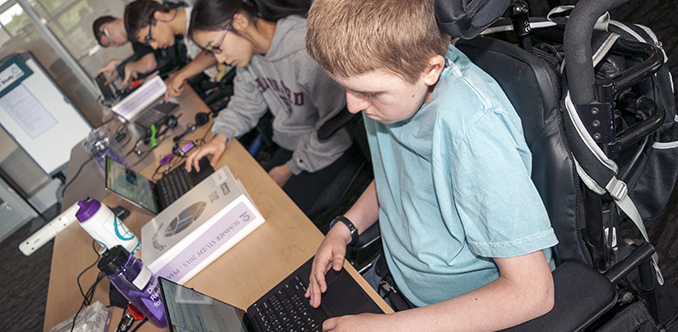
[(214, 15), (273, 10)]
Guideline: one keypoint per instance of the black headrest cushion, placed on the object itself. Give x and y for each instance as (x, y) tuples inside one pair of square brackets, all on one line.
[(466, 19)]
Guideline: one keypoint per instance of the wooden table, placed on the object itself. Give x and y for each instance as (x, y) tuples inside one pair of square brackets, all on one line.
[(239, 277)]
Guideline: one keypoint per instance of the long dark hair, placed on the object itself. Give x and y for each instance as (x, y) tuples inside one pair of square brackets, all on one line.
[(213, 15)]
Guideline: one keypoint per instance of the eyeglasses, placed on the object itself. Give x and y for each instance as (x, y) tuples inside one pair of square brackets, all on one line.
[(216, 49), (148, 39)]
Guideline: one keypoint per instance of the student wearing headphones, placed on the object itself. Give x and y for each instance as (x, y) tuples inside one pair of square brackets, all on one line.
[(110, 32)]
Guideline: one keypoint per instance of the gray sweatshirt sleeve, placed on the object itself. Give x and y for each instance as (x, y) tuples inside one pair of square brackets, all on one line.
[(247, 105), (328, 98)]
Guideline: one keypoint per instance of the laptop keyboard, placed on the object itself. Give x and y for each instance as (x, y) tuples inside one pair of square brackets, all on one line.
[(173, 185), (149, 118), (288, 310)]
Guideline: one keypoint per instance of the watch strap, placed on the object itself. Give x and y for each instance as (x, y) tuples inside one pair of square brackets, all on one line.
[(352, 229)]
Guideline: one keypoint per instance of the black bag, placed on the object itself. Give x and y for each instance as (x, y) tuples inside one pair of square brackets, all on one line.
[(644, 153), (634, 318), (652, 177), (645, 148)]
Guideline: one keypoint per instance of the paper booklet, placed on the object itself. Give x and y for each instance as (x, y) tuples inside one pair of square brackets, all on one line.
[(194, 231)]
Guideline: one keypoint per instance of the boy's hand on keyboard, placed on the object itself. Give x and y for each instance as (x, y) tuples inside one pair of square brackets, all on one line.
[(331, 253), (214, 147)]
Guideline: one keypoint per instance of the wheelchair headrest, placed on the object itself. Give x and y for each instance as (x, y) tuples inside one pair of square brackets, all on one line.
[(465, 19)]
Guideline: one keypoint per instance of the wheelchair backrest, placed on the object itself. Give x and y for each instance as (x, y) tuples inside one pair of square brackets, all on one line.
[(534, 90)]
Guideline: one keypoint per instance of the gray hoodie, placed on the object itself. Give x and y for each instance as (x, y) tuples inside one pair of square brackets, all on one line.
[(299, 93)]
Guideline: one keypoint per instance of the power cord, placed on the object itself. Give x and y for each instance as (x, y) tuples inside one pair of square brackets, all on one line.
[(87, 296), (143, 154), (177, 157), (168, 166), (140, 324), (77, 173), (121, 134)]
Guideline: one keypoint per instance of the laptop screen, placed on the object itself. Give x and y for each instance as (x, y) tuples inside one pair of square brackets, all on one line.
[(130, 185), (188, 310)]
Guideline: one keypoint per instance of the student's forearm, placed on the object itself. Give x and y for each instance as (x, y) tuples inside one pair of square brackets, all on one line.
[(523, 293), (365, 211), (146, 64), (110, 67), (197, 66)]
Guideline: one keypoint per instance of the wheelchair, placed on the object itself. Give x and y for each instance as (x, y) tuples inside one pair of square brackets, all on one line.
[(600, 136)]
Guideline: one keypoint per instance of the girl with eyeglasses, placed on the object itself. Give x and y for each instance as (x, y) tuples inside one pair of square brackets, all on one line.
[(274, 72)]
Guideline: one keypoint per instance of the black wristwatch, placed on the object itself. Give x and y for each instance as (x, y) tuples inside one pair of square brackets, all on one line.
[(351, 228)]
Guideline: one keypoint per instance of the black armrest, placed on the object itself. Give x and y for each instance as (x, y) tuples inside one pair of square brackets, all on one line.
[(582, 294), (363, 253), (368, 237), (335, 123)]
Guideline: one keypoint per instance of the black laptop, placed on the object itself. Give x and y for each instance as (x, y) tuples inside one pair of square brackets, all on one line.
[(146, 119), (283, 308), (155, 115), (153, 196), (106, 90)]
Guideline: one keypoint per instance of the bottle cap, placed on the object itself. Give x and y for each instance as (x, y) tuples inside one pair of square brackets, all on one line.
[(112, 260), (87, 209)]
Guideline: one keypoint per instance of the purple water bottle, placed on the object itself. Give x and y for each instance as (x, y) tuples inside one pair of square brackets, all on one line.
[(135, 282)]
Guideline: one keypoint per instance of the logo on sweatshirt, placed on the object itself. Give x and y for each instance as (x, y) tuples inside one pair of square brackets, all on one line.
[(288, 97)]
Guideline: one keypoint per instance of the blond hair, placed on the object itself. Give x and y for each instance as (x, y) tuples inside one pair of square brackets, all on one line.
[(355, 37)]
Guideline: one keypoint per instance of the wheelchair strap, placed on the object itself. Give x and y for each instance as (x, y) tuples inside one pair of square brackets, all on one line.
[(398, 301), (599, 173)]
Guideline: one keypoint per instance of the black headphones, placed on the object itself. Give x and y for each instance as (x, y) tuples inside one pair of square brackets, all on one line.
[(200, 119), (170, 122)]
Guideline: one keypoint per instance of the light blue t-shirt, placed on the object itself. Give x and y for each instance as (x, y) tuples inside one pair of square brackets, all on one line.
[(454, 188)]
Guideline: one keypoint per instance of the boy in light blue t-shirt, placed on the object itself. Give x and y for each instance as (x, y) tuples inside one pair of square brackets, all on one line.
[(465, 234)]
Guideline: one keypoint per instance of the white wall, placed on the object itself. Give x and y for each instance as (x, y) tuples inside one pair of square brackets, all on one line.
[(14, 211)]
